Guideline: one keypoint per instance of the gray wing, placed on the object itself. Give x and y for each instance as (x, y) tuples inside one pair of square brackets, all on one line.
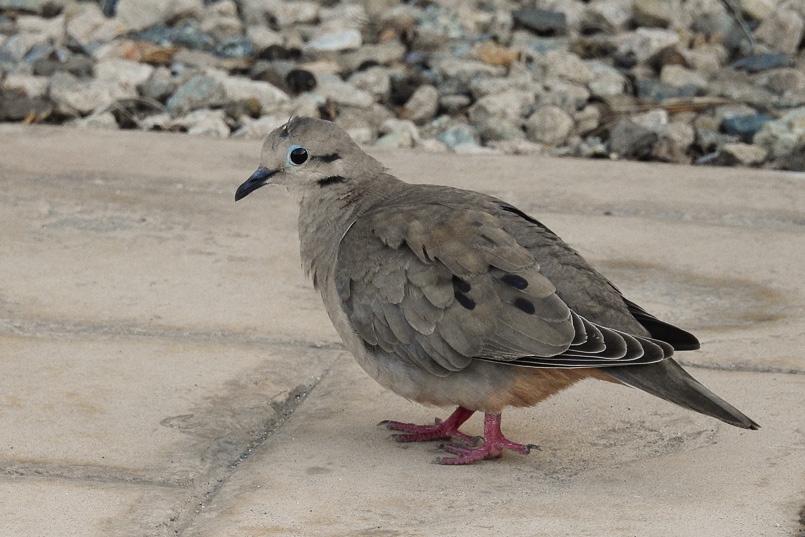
[(439, 286)]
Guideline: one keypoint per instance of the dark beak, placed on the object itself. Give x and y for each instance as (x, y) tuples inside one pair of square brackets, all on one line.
[(258, 179)]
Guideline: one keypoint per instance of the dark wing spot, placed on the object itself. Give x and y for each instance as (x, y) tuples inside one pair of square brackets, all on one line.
[(514, 210), (331, 180), (525, 305), (460, 285), (464, 300), (329, 157), (518, 282)]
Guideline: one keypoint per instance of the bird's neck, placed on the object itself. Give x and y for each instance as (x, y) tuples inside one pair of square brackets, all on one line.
[(326, 215)]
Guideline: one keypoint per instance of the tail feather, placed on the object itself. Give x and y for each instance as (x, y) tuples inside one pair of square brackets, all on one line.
[(669, 381)]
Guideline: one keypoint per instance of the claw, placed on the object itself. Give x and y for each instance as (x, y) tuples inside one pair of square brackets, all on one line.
[(492, 448)]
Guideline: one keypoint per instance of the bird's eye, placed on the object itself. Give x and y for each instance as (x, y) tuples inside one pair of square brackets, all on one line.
[(297, 155)]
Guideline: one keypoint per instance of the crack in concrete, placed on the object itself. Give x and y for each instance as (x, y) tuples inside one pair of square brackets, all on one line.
[(209, 485), (44, 328)]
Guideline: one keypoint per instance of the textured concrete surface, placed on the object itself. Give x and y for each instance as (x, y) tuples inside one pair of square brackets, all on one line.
[(167, 371)]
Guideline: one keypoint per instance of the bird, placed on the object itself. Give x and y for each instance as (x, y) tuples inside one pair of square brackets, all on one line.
[(454, 298)]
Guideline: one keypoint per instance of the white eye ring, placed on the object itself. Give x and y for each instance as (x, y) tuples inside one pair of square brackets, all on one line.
[(296, 155)]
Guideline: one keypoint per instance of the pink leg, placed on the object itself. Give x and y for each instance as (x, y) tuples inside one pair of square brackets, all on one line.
[(494, 444), (441, 430)]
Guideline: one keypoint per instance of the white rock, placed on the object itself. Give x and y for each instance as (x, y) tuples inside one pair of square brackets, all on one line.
[(432, 145), (563, 64), (511, 105), (336, 41), (51, 28), (644, 43), (375, 80), (222, 27), (653, 120), (783, 136), (587, 120), (29, 85), (679, 76), (224, 8), (343, 93), (17, 46), (745, 154), (423, 104), (681, 134), (205, 123), (126, 72), (783, 30), (549, 125), (608, 81), (156, 122), (288, 13), (707, 60), (90, 25), (102, 120), (517, 147), (239, 88), (136, 15), (263, 37), (758, 9), (610, 16), (361, 135), (258, 129), (83, 96)]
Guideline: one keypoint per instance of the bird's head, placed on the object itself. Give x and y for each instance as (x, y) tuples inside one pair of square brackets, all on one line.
[(307, 153)]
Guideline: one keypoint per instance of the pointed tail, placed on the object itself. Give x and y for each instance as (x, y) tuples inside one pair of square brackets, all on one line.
[(669, 381)]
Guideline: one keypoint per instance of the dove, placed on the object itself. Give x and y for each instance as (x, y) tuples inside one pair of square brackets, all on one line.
[(453, 298)]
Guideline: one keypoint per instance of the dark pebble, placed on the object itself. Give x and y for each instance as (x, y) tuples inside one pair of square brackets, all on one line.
[(761, 62), (278, 52), (80, 66), (744, 127), (17, 107), (650, 90), (541, 21), (300, 81)]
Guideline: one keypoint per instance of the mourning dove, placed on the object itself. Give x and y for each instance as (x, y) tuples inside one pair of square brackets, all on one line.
[(450, 297)]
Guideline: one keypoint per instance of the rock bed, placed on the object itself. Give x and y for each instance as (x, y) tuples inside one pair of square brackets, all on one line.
[(704, 81)]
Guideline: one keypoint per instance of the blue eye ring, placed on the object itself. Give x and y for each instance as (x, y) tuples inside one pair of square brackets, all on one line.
[(297, 155)]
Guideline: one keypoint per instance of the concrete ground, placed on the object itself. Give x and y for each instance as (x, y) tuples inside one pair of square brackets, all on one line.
[(167, 371)]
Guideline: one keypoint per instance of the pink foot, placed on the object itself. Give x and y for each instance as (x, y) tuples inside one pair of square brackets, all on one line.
[(441, 430), (492, 448)]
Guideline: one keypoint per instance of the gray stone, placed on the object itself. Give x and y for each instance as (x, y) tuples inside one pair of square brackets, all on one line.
[(238, 88), (375, 81), (459, 134), (27, 85), (608, 16), (679, 77), (782, 30), (340, 92), (15, 106), (787, 82), (758, 9), (762, 62), (706, 59), (741, 154), (587, 120), (452, 104), (423, 104), (511, 105), (655, 91), (463, 72), (258, 129), (607, 80), (497, 128), (160, 86), (103, 120), (658, 13), (592, 147), (645, 43), (335, 42), (74, 96), (629, 140), (135, 15), (126, 72), (784, 136), (201, 91), (549, 125), (398, 133), (383, 53), (569, 66), (17, 46), (744, 126), (653, 120), (204, 123), (566, 95), (40, 7), (541, 21)]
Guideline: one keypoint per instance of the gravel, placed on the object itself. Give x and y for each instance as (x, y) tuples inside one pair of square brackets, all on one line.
[(711, 82)]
